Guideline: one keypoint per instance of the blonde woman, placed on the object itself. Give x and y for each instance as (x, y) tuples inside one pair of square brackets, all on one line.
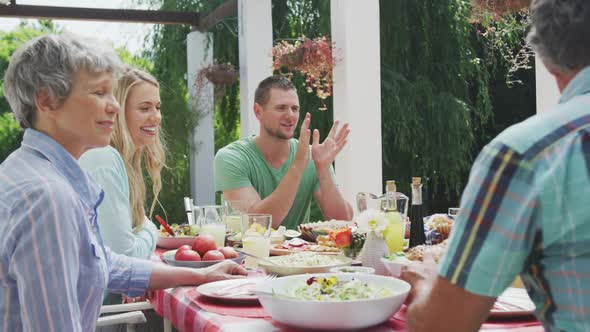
[(135, 144)]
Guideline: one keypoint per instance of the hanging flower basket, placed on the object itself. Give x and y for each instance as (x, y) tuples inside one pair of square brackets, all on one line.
[(500, 7), (220, 75), (310, 57)]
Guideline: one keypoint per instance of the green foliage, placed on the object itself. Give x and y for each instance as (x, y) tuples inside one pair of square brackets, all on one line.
[(11, 40), (10, 132), (445, 92), (10, 135), (435, 95)]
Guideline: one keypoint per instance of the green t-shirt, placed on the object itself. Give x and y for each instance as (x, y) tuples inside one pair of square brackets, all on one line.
[(240, 164)]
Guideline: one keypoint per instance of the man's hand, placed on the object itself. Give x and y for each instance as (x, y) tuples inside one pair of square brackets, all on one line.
[(302, 154), (324, 154), (222, 271), (419, 275)]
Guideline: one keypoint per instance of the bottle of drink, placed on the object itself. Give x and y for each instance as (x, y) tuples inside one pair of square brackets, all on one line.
[(417, 236), (394, 232)]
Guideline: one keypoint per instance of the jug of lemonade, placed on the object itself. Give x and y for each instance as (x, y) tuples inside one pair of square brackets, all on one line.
[(395, 231), (394, 206)]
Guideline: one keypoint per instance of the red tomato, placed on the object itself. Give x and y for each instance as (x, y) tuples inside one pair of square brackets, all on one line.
[(187, 255), (229, 252), (204, 243), (184, 247), (213, 255)]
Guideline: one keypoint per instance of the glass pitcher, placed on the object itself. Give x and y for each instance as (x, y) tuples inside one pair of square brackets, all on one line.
[(211, 220), (366, 201), (394, 233)]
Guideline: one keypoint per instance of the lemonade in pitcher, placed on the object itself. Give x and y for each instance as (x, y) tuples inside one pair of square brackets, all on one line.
[(394, 232), (396, 227)]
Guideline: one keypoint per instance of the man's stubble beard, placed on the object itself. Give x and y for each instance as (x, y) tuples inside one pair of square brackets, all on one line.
[(276, 134)]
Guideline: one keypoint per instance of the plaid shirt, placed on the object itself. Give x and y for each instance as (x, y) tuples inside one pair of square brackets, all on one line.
[(526, 210)]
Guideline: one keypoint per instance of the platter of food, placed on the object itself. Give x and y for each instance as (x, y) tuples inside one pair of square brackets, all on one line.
[(310, 231), (298, 245), (301, 263)]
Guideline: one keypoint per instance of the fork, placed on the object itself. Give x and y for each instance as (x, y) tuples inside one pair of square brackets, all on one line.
[(226, 290)]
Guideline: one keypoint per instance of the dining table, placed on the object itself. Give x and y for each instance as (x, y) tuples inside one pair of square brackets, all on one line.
[(190, 311)]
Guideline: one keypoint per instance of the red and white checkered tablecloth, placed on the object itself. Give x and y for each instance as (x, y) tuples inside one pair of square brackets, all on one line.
[(176, 305)]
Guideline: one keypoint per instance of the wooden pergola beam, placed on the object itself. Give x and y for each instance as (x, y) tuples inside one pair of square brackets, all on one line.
[(227, 9), (101, 14)]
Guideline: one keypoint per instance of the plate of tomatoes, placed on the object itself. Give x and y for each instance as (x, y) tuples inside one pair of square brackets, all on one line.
[(201, 253)]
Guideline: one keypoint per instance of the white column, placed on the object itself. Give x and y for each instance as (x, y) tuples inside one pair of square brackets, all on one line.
[(357, 94), (255, 45), (547, 91), (199, 55)]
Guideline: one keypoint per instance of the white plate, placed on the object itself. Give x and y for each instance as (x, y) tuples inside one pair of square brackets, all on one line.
[(241, 285), (512, 303)]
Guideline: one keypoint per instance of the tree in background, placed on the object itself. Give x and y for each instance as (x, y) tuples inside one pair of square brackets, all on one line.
[(444, 95), (10, 132)]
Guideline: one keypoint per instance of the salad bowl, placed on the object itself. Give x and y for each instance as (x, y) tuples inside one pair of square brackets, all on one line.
[(184, 234), (288, 301)]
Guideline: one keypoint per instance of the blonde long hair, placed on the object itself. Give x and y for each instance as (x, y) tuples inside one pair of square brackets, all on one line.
[(153, 155)]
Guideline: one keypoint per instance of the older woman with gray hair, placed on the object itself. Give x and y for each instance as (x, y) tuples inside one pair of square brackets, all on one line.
[(54, 268), (525, 209)]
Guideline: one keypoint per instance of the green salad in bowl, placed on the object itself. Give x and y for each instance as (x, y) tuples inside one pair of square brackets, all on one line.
[(322, 298), (183, 234), (334, 289)]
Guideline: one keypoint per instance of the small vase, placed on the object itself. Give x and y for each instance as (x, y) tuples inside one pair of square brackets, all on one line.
[(374, 249)]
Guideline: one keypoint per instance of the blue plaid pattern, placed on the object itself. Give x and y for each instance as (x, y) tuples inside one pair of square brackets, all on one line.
[(526, 211)]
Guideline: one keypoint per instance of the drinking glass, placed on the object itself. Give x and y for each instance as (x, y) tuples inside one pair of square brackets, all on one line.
[(256, 236), (454, 212), (233, 218), (212, 222)]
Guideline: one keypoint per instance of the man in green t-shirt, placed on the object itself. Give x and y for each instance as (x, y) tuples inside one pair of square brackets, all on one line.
[(273, 171)]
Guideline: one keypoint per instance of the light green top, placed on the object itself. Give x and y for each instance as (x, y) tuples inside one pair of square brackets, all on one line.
[(241, 164), (106, 167)]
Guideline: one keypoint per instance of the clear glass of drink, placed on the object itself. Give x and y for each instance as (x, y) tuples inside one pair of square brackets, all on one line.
[(212, 222), (233, 218), (453, 212), (256, 236)]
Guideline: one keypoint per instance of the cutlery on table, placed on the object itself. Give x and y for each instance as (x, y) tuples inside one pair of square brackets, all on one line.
[(227, 291), (266, 260)]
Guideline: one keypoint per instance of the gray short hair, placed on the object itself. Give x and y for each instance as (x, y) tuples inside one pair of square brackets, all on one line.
[(559, 32), (50, 62)]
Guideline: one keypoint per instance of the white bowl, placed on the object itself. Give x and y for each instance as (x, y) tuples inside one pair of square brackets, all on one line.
[(281, 269), (353, 269), (337, 315), (169, 258), (169, 242), (394, 268)]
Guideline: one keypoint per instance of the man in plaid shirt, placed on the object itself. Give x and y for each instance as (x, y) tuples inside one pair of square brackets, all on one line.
[(526, 207)]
